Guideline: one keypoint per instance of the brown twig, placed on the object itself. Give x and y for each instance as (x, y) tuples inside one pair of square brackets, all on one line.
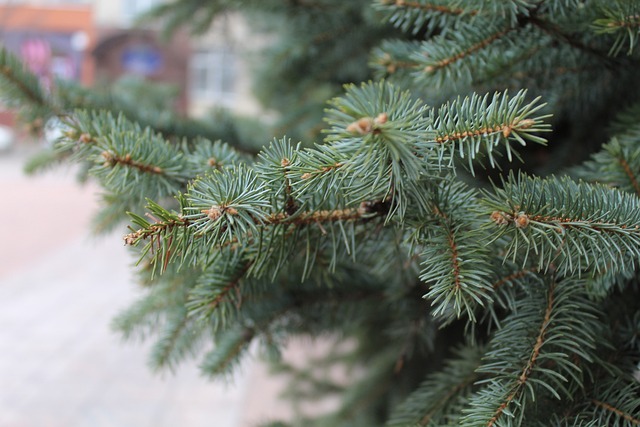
[(428, 7), (535, 353), (476, 47), (616, 411), (111, 159), (505, 130), (630, 174)]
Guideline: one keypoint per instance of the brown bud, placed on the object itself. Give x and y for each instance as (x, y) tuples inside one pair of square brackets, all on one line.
[(381, 119), (285, 162), (231, 211), (500, 218), (109, 160), (130, 239), (85, 138), (214, 213), (522, 220), (213, 162), (306, 175), (361, 126)]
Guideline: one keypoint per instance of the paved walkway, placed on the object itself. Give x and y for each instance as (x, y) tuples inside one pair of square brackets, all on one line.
[(60, 364)]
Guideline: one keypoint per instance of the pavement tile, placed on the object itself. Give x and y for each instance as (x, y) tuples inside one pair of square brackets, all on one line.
[(60, 363)]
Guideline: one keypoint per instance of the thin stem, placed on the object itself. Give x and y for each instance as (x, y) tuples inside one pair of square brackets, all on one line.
[(428, 7), (232, 285), (444, 399), (616, 411), (476, 47), (516, 275), (556, 32), (113, 159), (528, 368), (8, 73), (630, 174), (505, 129)]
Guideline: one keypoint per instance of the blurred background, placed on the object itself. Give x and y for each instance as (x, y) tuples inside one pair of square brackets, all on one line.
[(60, 285)]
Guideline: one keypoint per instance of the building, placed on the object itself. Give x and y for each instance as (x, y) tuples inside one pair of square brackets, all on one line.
[(216, 67), (103, 44), (53, 42)]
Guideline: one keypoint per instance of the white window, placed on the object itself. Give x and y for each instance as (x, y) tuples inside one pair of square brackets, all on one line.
[(212, 76)]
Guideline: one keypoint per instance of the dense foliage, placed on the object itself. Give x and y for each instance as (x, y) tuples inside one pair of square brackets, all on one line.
[(460, 285)]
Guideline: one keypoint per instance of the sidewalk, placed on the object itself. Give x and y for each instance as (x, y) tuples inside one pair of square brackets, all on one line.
[(60, 363)]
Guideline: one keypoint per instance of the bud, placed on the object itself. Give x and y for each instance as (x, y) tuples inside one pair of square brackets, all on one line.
[(381, 119), (214, 213), (85, 138), (500, 218), (522, 220), (361, 126)]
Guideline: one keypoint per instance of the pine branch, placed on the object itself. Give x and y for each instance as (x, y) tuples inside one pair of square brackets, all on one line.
[(615, 402), (149, 106), (205, 155), (426, 6), (227, 353), (217, 297), (531, 362), (622, 19), (456, 263), (131, 162), (126, 159), (436, 64), (451, 59), (317, 176), (394, 58), (617, 412), (418, 16), (616, 164), (528, 362), (379, 121), (290, 188), (174, 235), (369, 389), (146, 317), (464, 127), (510, 284), (179, 338), (511, 278), (111, 160), (556, 32), (577, 227), (435, 401), (630, 174), (21, 88)]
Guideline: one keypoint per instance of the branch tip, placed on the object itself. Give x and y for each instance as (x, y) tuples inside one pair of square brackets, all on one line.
[(367, 125)]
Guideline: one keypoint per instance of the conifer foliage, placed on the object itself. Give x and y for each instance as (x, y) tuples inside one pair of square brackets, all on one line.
[(468, 273)]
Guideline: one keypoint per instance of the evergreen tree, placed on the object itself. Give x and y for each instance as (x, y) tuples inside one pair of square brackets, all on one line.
[(463, 286)]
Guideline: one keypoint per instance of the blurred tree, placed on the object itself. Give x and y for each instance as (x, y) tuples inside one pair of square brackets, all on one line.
[(455, 299)]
